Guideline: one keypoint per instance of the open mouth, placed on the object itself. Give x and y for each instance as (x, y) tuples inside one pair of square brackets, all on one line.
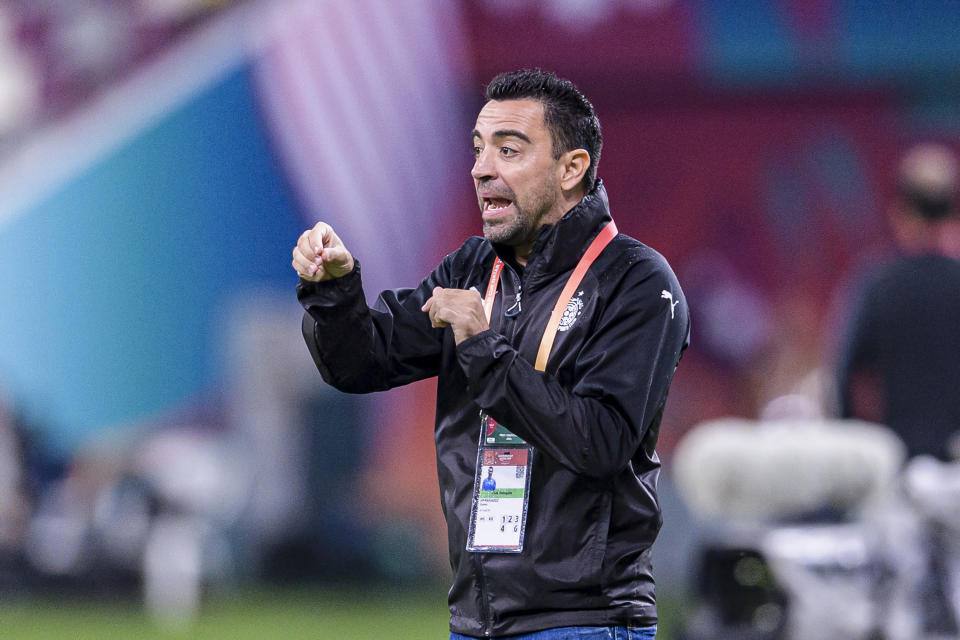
[(492, 205)]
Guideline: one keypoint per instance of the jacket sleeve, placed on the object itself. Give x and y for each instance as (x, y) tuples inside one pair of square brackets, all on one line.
[(359, 349), (622, 374)]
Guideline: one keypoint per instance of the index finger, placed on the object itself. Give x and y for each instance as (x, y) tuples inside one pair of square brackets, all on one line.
[(320, 236)]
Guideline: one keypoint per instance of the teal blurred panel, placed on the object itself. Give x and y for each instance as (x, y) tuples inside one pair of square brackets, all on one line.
[(894, 38), (746, 42), (801, 42), (114, 286)]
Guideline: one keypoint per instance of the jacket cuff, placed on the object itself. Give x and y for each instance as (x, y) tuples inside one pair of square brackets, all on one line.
[(479, 356), (330, 293)]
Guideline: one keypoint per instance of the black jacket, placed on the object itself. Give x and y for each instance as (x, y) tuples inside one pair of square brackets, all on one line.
[(592, 417), (903, 332)]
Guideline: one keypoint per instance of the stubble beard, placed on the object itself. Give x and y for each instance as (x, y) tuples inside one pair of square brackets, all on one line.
[(509, 232), (525, 225)]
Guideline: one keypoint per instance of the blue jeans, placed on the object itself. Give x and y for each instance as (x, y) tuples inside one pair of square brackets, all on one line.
[(582, 633)]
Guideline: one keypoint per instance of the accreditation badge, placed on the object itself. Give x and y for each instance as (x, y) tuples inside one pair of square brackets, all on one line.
[(501, 491)]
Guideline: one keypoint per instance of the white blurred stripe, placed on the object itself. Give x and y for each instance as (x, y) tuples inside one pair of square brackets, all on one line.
[(341, 101), (294, 95), (363, 104)]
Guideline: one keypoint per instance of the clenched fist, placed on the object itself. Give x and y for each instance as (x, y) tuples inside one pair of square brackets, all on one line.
[(320, 255)]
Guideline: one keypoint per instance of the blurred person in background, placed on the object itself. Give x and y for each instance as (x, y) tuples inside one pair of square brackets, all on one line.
[(590, 408), (900, 363)]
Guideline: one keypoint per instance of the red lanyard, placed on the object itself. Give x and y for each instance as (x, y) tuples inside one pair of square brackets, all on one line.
[(608, 233), (492, 288)]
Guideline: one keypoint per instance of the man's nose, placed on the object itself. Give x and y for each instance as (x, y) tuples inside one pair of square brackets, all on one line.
[(483, 167)]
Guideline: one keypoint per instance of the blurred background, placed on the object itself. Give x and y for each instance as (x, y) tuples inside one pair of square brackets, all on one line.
[(167, 449)]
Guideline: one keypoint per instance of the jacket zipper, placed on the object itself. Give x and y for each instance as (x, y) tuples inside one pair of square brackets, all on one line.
[(512, 313), (484, 607)]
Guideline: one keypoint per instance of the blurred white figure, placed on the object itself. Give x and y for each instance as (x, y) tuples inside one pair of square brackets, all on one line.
[(799, 494), (196, 473), (173, 569), (933, 488), (741, 469), (269, 377)]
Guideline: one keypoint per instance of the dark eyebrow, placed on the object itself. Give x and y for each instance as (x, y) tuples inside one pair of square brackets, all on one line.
[(505, 133)]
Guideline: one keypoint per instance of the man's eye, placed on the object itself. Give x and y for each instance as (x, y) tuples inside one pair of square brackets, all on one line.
[(507, 151), (476, 151)]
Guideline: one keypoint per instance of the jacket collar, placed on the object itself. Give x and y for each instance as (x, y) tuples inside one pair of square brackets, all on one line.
[(558, 247)]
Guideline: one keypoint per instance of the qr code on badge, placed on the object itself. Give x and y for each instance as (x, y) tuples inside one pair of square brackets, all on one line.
[(521, 471)]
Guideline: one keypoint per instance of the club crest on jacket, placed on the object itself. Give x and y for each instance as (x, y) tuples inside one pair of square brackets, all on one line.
[(572, 312)]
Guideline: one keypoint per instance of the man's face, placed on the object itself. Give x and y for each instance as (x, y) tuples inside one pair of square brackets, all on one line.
[(515, 174)]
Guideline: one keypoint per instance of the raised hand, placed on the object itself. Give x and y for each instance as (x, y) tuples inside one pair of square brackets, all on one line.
[(320, 255)]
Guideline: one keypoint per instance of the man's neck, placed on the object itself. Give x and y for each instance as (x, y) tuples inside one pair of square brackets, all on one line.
[(520, 254), (920, 237), (566, 202)]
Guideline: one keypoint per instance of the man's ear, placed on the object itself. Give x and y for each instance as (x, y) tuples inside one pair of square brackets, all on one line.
[(573, 166)]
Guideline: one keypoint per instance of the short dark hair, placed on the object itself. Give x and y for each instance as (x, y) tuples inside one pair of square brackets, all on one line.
[(567, 113)]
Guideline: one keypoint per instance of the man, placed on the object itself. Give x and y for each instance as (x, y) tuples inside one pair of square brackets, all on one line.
[(489, 484), (573, 377), (900, 364)]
